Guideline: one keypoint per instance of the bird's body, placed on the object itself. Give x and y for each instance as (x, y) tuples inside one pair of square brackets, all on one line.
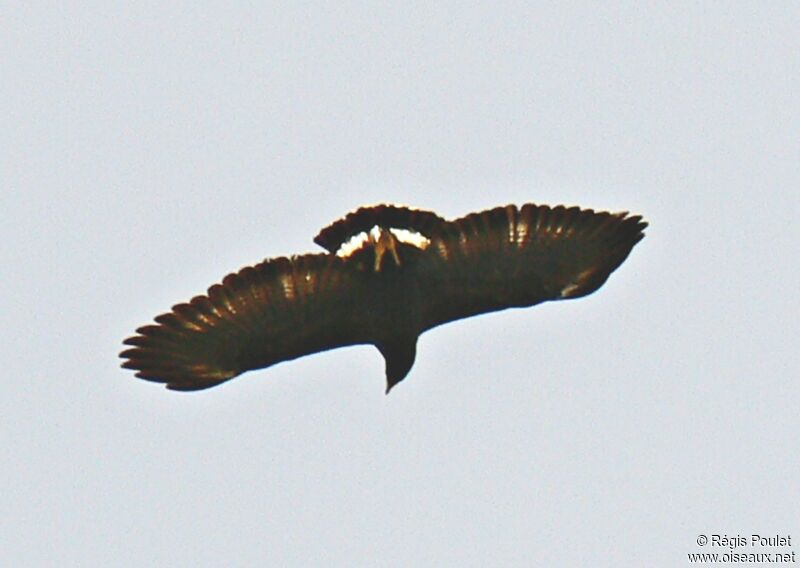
[(390, 274)]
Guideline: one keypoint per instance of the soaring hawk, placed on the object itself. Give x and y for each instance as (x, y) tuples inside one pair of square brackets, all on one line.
[(390, 273)]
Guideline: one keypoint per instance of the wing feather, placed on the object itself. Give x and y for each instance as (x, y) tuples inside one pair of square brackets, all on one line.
[(514, 257), (278, 310)]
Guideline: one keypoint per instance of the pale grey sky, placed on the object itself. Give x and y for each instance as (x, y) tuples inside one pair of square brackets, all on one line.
[(150, 149)]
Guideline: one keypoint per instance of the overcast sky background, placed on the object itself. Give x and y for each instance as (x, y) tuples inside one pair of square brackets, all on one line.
[(150, 149)]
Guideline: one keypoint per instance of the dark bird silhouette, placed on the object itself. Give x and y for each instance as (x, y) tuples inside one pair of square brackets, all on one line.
[(390, 274)]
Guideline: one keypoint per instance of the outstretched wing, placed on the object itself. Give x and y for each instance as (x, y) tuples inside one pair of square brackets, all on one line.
[(509, 257), (278, 310)]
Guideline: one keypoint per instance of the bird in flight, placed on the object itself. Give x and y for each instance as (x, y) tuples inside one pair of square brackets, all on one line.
[(390, 273)]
